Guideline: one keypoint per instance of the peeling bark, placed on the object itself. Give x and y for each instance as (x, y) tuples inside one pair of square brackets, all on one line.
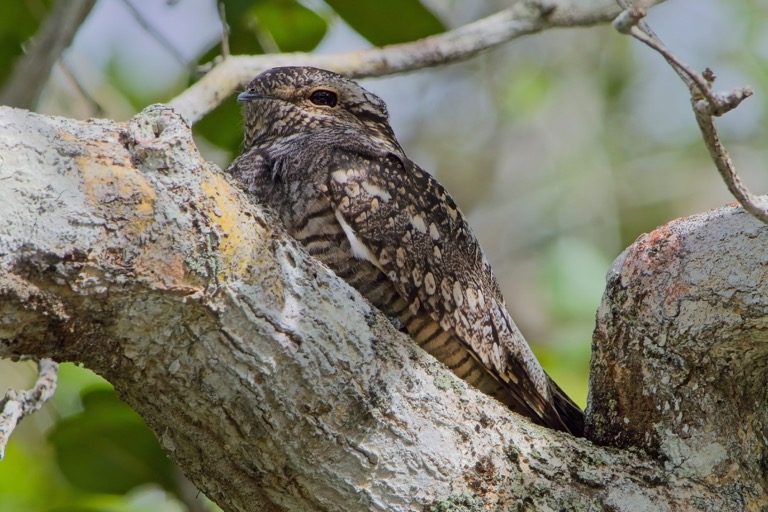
[(275, 386)]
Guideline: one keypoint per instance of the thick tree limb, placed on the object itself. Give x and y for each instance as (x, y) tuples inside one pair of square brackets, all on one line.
[(272, 383), (523, 18), (680, 350)]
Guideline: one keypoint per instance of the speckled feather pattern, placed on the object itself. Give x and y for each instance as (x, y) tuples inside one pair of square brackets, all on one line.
[(342, 186)]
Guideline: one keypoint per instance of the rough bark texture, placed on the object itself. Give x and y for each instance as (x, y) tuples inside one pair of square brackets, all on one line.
[(276, 387), (680, 353)]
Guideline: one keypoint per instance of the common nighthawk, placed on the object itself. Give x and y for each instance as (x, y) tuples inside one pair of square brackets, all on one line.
[(320, 152)]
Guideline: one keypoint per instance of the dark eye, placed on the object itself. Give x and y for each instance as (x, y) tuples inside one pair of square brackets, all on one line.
[(324, 98)]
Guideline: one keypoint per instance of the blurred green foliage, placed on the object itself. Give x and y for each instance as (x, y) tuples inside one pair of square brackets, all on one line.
[(107, 448), (96, 455), (19, 22), (291, 26), (262, 26)]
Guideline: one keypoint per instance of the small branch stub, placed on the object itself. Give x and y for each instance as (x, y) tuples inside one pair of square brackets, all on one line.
[(628, 19), (723, 102)]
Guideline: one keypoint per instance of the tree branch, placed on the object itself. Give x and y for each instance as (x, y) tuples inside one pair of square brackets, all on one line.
[(33, 69), (706, 104), (678, 357), (272, 384), (523, 18)]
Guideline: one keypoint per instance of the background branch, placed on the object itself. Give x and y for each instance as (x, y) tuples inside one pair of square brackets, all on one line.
[(33, 69), (527, 17)]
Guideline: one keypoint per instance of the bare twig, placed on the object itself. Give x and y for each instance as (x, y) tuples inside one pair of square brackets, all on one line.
[(17, 404), (631, 22), (704, 117), (93, 105), (706, 103), (31, 72), (264, 37), (224, 30), (156, 34), (522, 18)]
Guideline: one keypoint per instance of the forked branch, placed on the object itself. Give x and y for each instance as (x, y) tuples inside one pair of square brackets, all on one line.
[(706, 103)]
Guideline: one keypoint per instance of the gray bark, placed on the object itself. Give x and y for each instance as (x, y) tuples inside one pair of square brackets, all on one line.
[(275, 386), (680, 359)]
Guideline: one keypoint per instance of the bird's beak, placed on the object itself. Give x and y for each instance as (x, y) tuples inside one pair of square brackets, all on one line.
[(249, 95)]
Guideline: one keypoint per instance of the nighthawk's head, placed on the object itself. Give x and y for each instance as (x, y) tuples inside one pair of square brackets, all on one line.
[(289, 100)]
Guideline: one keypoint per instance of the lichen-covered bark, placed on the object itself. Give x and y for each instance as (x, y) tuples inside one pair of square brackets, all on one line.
[(680, 351), (270, 382)]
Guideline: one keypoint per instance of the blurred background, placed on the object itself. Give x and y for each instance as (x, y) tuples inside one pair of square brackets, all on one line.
[(561, 148)]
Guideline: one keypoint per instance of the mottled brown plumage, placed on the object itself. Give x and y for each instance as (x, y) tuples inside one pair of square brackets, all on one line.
[(320, 152)]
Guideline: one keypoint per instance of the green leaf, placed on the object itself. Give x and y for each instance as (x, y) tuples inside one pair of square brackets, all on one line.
[(108, 449), (18, 23), (255, 26), (388, 22), (293, 27), (242, 40), (72, 380)]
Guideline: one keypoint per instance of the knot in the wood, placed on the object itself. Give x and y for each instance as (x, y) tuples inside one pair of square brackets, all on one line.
[(158, 139)]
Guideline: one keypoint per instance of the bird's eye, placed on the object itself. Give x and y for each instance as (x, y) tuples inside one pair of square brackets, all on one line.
[(324, 98)]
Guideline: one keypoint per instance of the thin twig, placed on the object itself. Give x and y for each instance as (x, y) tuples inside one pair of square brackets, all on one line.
[(224, 30), (717, 151), (631, 22), (16, 404), (706, 104), (156, 34), (95, 108)]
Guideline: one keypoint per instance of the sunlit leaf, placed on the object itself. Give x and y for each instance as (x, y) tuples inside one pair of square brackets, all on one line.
[(267, 25), (292, 27)]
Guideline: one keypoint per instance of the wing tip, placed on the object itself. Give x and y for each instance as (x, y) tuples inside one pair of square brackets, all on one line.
[(570, 417)]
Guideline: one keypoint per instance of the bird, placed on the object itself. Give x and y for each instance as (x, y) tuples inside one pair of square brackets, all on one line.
[(320, 153)]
